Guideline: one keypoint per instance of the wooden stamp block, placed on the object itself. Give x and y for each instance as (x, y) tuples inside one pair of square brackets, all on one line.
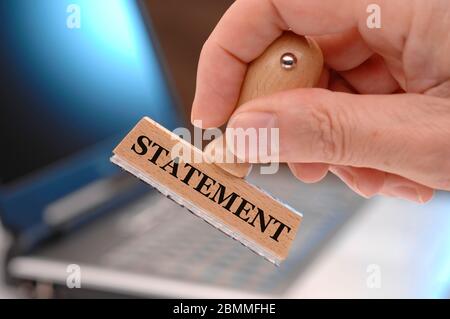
[(227, 202)]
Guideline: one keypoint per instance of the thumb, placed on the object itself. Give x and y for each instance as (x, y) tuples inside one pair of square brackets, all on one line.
[(404, 134)]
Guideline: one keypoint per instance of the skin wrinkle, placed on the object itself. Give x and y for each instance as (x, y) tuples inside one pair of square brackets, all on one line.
[(423, 139), (393, 131), (337, 48), (391, 48), (395, 67), (406, 46), (283, 25), (331, 148), (347, 115), (382, 81), (442, 90), (420, 74), (374, 136), (276, 29), (346, 68), (230, 54), (435, 155), (348, 121), (344, 155)]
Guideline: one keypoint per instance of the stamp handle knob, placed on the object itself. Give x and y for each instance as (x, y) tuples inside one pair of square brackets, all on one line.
[(291, 62)]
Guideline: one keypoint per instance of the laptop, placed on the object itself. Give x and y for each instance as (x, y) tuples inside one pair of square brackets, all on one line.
[(71, 90)]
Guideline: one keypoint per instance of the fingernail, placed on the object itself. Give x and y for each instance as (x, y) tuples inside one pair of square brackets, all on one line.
[(251, 151), (352, 181), (409, 193), (247, 120)]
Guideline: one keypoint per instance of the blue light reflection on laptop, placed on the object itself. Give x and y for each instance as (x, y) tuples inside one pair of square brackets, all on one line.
[(72, 91), (113, 40), (439, 271)]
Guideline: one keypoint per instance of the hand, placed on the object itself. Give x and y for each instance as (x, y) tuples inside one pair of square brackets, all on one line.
[(381, 119)]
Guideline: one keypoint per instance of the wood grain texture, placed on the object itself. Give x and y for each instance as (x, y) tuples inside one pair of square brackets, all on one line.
[(265, 224), (265, 76)]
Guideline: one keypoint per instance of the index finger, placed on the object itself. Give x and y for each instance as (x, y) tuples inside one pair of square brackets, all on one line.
[(243, 33)]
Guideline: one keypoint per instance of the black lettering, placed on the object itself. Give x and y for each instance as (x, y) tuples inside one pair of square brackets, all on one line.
[(144, 148), (158, 153), (191, 172), (173, 164), (262, 222), (220, 196), (221, 192), (202, 184), (243, 208), (279, 229)]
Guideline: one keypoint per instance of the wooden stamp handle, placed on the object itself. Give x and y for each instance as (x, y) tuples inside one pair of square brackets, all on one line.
[(291, 62)]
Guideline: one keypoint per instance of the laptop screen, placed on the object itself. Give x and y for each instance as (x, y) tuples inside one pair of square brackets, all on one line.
[(73, 74)]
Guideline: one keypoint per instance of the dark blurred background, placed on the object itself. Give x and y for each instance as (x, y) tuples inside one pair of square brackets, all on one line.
[(182, 28)]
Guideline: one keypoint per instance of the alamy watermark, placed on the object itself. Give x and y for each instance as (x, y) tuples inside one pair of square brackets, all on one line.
[(255, 145), (73, 20), (374, 19), (373, 280), (73, 279)]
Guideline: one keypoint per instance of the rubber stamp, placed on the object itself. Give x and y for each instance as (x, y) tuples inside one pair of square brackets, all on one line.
[(217, 192)]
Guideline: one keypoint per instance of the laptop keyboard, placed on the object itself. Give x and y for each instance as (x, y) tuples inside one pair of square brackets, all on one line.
[(162, 239)]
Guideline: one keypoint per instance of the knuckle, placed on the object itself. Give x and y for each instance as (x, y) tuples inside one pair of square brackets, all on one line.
[(331, 132), (435, 147)]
